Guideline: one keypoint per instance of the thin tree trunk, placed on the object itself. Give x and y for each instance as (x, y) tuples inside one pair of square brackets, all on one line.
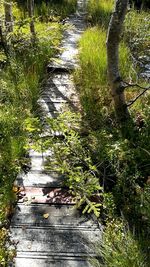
[(31, 14), (113, 40), (3, 41), (8, 16)]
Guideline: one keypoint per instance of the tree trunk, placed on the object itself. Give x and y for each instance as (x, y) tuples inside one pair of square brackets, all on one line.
[(3, 40), (8, 16), (31, 14), (113, 40)]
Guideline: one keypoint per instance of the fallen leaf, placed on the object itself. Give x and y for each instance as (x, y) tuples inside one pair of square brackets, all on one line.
[(51, 194), (25, 199), (46, 215), (15, 189)]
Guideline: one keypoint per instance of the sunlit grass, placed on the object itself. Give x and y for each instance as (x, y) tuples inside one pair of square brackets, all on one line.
[(99, 11), (21, 75), (137, 32), (92, 75), (119, 247), (55, 9)]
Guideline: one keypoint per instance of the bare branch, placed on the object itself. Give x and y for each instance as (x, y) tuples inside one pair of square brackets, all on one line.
[(127, 85), (136, 98)]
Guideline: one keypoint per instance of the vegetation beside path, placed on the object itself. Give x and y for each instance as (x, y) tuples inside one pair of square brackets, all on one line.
[(123, 163), (22, 71)]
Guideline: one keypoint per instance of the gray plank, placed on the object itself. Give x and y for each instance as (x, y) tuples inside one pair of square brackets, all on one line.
[(40, 179), (54, 241), (59, 215), (49, 262)]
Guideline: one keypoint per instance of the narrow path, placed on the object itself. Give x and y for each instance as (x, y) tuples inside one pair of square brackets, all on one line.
[(46, 228)]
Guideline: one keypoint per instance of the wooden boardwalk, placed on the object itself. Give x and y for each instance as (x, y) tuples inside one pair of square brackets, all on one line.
[(46, 228)]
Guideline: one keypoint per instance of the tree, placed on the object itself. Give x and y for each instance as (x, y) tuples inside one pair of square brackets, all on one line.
[(8, 16), (117, 85), (31, 14), (113, 40)]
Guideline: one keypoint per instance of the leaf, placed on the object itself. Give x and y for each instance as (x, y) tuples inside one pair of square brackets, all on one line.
[(85, 209), (46, 215), (25, 199), (15, 189)]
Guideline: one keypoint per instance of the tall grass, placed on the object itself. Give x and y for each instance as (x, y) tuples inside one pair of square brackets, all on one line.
[(137, 31), (53, 9), (99, 12), (119, 248), (20, 88), (48, 10), (124, 164), (92, 75), (23, 70)]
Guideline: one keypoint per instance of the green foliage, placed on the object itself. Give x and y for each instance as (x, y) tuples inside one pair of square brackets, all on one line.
[(71, 157), (5, 255), (137, 31), (99, 12), (119, 248), (122, 162), (22, 70), (91, 77), (53, 10), (20, 89), (46, 10)]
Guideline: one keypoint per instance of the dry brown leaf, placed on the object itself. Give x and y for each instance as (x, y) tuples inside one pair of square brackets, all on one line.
[(15, 189), (46, 215)]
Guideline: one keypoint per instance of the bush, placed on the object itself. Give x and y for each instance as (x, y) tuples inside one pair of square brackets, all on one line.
[(119, 248)]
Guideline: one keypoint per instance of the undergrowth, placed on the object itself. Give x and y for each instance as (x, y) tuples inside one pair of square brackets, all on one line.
[(122, 163), (22, 71), (119, 247), (48, 11), (91, 77), (99, 12)]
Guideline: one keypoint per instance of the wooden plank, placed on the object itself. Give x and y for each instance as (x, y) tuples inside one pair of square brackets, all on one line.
[(50, 262), (40, 179), (55, 241), (47, 195), (65, 216)]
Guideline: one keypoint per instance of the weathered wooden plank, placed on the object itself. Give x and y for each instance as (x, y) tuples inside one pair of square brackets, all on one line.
[(51, 106), (49, 262), (37, 154), (61, 78), (54, 241), (40, 179), (59, 215), (47, 195)]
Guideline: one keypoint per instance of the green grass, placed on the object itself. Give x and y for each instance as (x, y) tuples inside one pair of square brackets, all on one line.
[(99, 12), (92, 75), (123, 163), (24, 69), (50, 11), (56, 9), (20, 88), (137, 31), (119, 248)]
